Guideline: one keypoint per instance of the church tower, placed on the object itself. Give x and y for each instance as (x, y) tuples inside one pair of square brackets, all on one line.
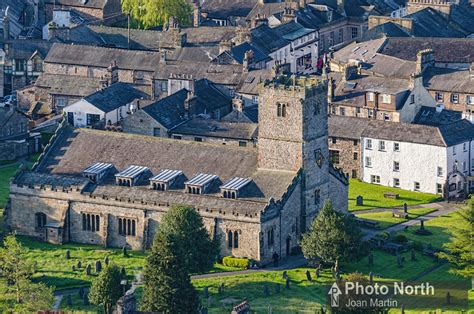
[(293, 135)]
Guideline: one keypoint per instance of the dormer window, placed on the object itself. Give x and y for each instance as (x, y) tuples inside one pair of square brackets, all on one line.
[(234, 187), (201, 183), (131, 176), (167, 179), (97, 171), (370, 96), (386, 99)]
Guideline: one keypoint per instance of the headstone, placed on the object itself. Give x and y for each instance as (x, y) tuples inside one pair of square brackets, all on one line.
[(337, 276), (206, 292), (123, 272), (413, 256), (308, 276), (124, 251), (405, 208), (266, 293), (79, 264), (317, 272), (399, 260), (270, 309), (86, 299), (88, 270), (277, 288), (204, 310), (81, 292), (73, 268), (371, 259), (68, 300), (371, 278), (68, 254), (106, 260), (209, 302), (221, 288), (448, 298), (284, 275), (98, 266), (422, 225), (287, 283), (402, 308), (359, 200)]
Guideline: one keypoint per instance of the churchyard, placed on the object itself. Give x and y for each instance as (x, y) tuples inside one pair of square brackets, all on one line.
[(386, 219)]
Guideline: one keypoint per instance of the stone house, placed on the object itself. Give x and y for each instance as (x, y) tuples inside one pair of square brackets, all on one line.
[(99, 11), (15, 139), (430, 159), (257, 201)]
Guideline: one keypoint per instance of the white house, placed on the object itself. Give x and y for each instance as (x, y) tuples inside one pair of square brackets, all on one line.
[(438, 160), (106, 106)]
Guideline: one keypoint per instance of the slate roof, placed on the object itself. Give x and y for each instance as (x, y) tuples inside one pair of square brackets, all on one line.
[(24, 49), (267, 39), (67, 84), (97, 4), (359, 50), (449, 50), (430, 23), (238, 53), (114, 96), (220, 129), (248, 115), (347, 127), (384, 30), (67, 158), (249, 82), (445, 135), (222, 9), (30, 179), (449, 80), (429, 116)]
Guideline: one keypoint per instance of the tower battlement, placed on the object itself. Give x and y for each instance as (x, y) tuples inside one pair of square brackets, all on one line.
[(296, 84)]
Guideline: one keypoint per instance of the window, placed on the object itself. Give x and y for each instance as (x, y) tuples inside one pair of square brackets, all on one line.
[(236, 240), (370, 113), (334, 157), (334, 140), (255, 100), (464, 147), (370, 96), (382, 145), (317, 197), (439, 171), (270, 237), (156, 132), (40, 220), (454, 150), (177, 137), (464, 166), (439, 96), (396, 166), (19, 65), (37, 65), (341, 35), (356, 156), (197, 139), (439, 188), (127, 226), (342, 111), (356, 142), (331, 39), (396, 182), (333, 109), (229, 239), (368, 162), (369, 144), (90, 222), (386, 99), (470, 99), (281, 110), (455, 98), (375, 179), (386, 117), (358, 110), (412, 99), (396, 147), (354, 174), (92, 119), (417, 186), (354, 32), (242, 143)]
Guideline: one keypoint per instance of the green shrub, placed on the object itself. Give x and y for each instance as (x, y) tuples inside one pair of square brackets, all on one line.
[(400, 238), (235, 262)]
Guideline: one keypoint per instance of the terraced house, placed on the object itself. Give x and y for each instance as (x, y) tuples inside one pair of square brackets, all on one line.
[(112, 188)]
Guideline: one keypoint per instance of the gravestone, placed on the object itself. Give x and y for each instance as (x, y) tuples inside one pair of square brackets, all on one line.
[(79, 264), (359, 200), (448, 298), (69, 300), (266, 293), (402, 308), (284, 275), (73, 268), (277, 288), (405, 208), (123, 272), (88, 270), (106, 260), (98, 266), (209, 302), (413, 256), (399, 260), (269, 309), (220, 290), (124, 251), (68, 254), (204, 310), (371, 278), (317, 272), (206, 292), (371, 259), (308, 276), (287, 283)]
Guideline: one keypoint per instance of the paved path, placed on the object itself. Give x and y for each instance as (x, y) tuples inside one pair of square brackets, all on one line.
[(442, 208)]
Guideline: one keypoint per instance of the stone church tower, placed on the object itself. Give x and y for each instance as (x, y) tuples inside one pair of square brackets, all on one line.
[(293, 135)]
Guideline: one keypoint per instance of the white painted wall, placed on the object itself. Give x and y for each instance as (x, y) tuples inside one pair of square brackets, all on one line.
[(82, 108)]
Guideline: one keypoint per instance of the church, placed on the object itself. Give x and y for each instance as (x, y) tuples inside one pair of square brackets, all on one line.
[(112, 189)]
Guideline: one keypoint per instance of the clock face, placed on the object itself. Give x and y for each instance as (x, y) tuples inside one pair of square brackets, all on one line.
[(318, 156)]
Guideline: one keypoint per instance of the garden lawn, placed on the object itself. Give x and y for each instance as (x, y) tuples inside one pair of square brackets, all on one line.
[(386, 219), (373, 196), (6, 173), (77, 305), (440, 228)]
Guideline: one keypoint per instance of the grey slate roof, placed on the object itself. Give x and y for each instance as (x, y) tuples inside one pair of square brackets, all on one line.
[(430, 23), (67, 84), (24, 49), (449, 80), (219, 129), (388, 29), (429, 116), (97, 4), (238, 53), (114, 96), (222, 9), (67, 158), (346, 127)]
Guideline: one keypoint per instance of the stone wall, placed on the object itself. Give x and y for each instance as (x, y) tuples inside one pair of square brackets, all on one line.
[(353, 111), (348, 149), (338, 192), (141, 123), (13, 150), (217, 140)]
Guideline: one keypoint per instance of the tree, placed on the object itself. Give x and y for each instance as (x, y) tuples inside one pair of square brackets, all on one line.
[(105, 289), (18, 269), (196, 248), (151, 13), (459, 248), (168, 287), (333, 236)]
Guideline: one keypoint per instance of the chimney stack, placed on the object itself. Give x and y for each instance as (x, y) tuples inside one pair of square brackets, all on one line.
[(331, 89), (237, 104), (424, 60), (112, 73), (247, 58), (197, 14), (225, 45)]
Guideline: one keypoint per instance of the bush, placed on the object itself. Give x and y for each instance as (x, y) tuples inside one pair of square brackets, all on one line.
[(400, 238), (235, 262)]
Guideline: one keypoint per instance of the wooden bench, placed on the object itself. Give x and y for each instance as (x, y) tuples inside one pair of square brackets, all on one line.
[(391, 195), (399, 214)]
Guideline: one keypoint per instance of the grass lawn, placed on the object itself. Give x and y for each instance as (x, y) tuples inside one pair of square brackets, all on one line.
[(373, 196), (439, 227), (385, 219), (77, 305), (5, 174)]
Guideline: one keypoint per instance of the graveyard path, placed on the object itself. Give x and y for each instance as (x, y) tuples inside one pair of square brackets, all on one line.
[(435, 205), (442, 208)]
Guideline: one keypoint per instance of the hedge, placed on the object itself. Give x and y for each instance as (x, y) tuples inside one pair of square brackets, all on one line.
[(235, 262)]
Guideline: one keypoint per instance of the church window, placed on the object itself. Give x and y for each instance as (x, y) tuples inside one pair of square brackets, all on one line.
[(127, 226), (90, 222), (317, 196), (281, 110), (40, 220), (236, 240), (229, 240), (270, 236)]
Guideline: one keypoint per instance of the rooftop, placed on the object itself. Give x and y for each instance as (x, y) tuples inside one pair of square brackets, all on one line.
[(218, 128), (114, 96)]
